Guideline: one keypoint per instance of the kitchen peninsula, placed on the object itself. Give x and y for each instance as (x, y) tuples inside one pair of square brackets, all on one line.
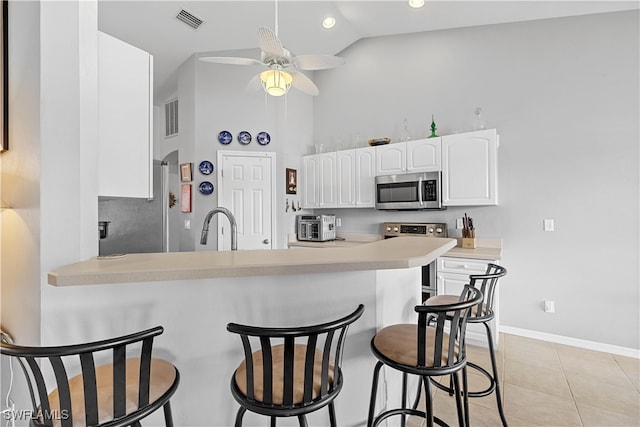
[(194, 296)]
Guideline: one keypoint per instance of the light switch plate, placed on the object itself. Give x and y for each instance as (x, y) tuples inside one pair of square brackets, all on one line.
[(187, 224), (549, 225)]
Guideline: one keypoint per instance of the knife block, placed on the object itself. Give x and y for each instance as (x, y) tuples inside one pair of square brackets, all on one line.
[(469, 242)]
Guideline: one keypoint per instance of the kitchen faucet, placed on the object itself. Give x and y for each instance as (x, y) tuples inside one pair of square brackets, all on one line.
[(232, 221)]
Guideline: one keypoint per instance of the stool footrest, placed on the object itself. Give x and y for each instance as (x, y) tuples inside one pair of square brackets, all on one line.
[(481, 393), (405, 411)]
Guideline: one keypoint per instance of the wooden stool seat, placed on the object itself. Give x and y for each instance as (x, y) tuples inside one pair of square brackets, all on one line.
[(163, 375), (398, 344), (277, 369), (479, 310)]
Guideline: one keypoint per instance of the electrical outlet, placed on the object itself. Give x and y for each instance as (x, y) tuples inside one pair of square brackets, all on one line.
[(459, 223), (549, 225), (549, 306), (338, 222)]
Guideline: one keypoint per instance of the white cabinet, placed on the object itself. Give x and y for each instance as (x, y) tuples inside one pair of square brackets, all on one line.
[(343, 179), (423, 155), (125, 119), (355, 171), (420, 155), (470, 168), (391, 159), (451, 276), (320, 187)]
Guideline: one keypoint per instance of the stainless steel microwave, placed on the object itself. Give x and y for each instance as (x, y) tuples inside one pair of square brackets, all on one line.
[(411, 191)]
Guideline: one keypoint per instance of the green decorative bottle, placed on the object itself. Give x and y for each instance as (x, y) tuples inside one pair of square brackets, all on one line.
[(433, 128)]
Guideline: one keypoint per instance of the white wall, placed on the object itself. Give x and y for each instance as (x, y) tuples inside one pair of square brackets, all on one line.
[(563, 94), (212, 98)]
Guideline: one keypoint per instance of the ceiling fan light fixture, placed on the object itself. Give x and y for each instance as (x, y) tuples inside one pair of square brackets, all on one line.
[(276, 82), (328, 22), (416, 4)]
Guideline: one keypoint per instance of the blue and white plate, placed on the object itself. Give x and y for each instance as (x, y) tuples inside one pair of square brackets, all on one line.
[(206, 167), (244, 137), (225, 137), (263, 138), (205, 188)]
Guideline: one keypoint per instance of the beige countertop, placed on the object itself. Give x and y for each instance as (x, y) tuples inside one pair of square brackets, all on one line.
[(487, 248), (401, 252)]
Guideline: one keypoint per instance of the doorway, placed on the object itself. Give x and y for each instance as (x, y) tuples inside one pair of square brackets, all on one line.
[(246, 183)]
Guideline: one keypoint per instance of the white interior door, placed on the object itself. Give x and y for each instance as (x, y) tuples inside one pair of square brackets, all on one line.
[(246, 184)]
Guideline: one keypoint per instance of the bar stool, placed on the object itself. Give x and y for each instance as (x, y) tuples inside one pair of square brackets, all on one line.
[(426, 349), (117, 394), (296, 370), (482, 313)]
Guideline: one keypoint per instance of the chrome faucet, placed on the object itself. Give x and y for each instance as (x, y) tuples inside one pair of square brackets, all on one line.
[(232, 221)]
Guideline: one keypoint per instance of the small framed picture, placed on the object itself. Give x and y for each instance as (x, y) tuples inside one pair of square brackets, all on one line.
[(185, 198), (186, 172), (292, 181)]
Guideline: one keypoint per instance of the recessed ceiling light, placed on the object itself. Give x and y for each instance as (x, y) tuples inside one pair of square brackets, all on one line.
[(328, 22), (416, 3)]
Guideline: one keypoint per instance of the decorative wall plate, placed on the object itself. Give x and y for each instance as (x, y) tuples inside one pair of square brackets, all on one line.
[(206, 167), (244, 137), (225, 137), (205, 188), (263, 138)]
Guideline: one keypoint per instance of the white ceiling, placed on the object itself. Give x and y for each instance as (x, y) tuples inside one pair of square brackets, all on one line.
[(232, 25)]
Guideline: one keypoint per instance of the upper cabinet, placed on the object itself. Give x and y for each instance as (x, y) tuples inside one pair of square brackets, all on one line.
[(355, 170), (344, 179), (125, 119), (320, 187), (421, 155), (470, 168)]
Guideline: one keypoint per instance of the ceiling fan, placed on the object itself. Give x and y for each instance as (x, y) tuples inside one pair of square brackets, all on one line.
[(283, 69)]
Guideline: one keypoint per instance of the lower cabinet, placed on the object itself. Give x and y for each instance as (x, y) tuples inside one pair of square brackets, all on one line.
[(451, 276)]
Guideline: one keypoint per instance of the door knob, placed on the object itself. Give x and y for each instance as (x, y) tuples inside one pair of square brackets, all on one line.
[(265, 241)]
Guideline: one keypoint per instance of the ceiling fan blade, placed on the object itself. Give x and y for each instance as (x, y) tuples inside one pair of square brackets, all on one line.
[(317, 62), (269, 42), (231, 60), (304, 84), (254, 84)]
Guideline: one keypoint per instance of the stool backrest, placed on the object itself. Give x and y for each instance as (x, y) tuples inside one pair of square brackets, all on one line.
[(47, 368), (487, 284), (327, 338), (445, 326)]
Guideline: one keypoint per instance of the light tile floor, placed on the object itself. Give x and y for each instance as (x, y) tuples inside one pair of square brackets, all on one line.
[(547, 384)]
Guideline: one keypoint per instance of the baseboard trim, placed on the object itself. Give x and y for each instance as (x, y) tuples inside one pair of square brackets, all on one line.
[(574, 342)]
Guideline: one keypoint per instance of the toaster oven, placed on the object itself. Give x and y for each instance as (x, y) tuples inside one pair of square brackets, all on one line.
[(316, 228)]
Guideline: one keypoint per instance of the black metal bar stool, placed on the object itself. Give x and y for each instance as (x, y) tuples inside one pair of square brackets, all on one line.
[(435, 346), (482, 313), (290, 372), (116, 394)]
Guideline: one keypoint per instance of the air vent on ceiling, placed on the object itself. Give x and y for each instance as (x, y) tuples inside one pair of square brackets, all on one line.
[(171, 118), (189, 19)]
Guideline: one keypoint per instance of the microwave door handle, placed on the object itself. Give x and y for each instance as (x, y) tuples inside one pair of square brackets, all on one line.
[(420, 191)]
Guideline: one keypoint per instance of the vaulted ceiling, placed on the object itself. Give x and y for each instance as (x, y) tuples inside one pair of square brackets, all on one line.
[(231, 25)]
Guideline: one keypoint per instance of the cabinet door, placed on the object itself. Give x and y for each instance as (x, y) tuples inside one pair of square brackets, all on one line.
[(423, 155), (365, 177), (125, 119), (391, 159), (345, 178), (469, 168), (310, 198), (327, 180)]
